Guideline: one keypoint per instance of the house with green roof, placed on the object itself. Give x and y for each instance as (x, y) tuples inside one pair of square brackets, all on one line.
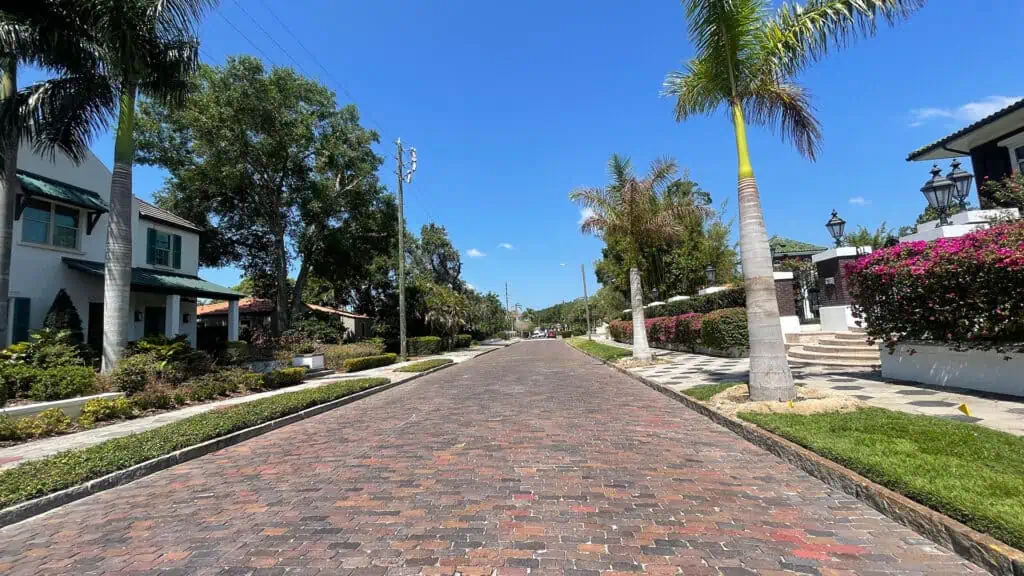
[(60, 235), (786, 248)]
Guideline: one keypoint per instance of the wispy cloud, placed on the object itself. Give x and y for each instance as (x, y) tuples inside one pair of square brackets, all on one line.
[(859, 201), (563, 264), (470, 286), (474, 253), (506, 246), (584, 214), (969, 112)]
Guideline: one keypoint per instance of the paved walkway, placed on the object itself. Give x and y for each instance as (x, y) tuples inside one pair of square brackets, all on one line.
[(682, 370), (533, 459), (14, 455)]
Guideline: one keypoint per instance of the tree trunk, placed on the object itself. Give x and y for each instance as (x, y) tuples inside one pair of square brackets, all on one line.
[(117, 274), (641, 350), (8, 192), (280, 320), (770, 377)]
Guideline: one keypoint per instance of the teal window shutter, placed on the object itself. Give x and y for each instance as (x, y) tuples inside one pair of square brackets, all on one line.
[(22, 307), (150, 246), (176, 252)]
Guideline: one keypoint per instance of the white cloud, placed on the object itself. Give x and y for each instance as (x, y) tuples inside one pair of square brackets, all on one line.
[(860, 201), (563, 264), (474, 253), (584, 214), (967, 113), (506, 246), (470, 286)]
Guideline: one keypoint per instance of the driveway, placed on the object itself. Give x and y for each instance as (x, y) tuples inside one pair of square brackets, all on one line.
[(534, 458)]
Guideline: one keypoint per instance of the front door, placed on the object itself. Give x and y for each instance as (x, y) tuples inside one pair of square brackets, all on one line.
[(156, 319), (21, 319), (95, 336)]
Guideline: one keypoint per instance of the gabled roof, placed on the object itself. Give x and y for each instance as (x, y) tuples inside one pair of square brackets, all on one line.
[(36, 185), (245, 306), (960, 142), (150, 212), (335, 311), (787, 247), (148, 280)]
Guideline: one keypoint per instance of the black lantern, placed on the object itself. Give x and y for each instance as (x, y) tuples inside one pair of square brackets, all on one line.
[(836, 227), (710, 273), (961, 180), (939, 193), (654, 294)]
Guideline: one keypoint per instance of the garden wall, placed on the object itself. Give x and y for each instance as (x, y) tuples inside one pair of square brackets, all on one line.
[(937, 365)]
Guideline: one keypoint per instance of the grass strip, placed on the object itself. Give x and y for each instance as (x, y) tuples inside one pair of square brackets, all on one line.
[(67, 469), (967, 472), (705, 392), (605, 352), (424, 365)]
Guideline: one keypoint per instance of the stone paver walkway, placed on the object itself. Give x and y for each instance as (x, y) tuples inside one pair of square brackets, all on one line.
[(682, 370), (14, 455), (533, 459)]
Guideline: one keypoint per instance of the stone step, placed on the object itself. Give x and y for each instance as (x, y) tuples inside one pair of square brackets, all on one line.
[(857, 336), (844, 351), (852, 344), (801, 355)]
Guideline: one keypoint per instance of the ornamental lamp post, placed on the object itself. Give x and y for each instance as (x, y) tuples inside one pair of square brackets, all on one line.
[(961, 180), (710, 273), (836, 227), (938, 191), (654, 294)]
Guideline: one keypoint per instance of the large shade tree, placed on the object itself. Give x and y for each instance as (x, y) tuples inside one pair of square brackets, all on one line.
[(631, 210), (746, 61)]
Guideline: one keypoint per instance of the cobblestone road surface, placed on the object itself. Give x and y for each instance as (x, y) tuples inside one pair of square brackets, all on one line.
[(531, 459)]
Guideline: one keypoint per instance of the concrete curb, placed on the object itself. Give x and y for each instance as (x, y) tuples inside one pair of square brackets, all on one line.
[(43, 504), (991, 554)]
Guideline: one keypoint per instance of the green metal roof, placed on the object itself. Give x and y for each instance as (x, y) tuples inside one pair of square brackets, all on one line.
[(786, 247), (35, 185), (917, 154), (148, 280)]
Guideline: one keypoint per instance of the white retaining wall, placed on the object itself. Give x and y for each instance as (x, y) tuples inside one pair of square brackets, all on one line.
[(986, 371)]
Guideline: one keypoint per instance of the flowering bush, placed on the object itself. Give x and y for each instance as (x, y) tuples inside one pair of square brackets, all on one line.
[(724, 329), (683, 330), (621, 330), (733, 297), (967, 291)]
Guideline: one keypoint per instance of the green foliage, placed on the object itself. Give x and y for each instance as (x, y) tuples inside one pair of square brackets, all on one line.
[(47, 475), (172, 360), (17, 378), (50, 422), (605, 352), (156, 398), (706, 392), (424, 365), (447, 311), (64, 316), (440, 258), (972, 474), (730, 298), (283, 378), (236, 353), (315, 328), (367, 362), (46, 348), (103, 409), (9, 431), (1008, 192), (864, 237), (724, 329), (133, 373), (64, 382), (463, 340), (424, 345), (335, 356)]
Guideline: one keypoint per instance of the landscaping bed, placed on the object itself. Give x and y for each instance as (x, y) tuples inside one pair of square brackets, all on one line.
[(705, 392), (605, 352), (721, 332), (67, 469), (424, 365)]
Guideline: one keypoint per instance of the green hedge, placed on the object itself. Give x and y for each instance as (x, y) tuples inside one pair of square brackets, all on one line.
[(730, 298), (725, 329), (283, 378), (103, 409), (424, 345), (367, 362), (64, 382), (335, 356), (40, 477), (424, 365), (463, 340)]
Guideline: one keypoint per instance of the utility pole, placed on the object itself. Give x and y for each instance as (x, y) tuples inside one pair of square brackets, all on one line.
[(511, 322), (406, 177), (586, 300)]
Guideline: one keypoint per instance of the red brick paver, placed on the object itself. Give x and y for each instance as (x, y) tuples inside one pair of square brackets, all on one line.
[(534, 459)]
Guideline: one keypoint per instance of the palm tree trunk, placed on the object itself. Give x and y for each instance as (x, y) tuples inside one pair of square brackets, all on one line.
[(117, 274), (770, 378), (641, 350), (8, 191)]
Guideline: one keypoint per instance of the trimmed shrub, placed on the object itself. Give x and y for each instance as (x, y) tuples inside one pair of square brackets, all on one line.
[(236, 353), (47, 423), (61, 383), (424, 365), (9, 431), (621, 330), (967, 292), (155, 398), (132, 373), (246, 381), (565, 334), (64, 316), (284, 378), (365, 363), (3, 393), (688, 328), (424, 345), (463, 340), (18, 378), (103, 409), (730, 298), (724, 329), (335, 356)]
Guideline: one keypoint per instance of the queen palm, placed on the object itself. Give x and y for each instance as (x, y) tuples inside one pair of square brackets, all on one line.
[(633, 210), (746, 61)]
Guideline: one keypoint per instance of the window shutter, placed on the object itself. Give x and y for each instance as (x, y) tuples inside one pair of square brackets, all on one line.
[(150, 246), (20, 325), (176, 251)]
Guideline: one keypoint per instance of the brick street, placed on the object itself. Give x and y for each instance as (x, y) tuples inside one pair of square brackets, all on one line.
[(532, 459)]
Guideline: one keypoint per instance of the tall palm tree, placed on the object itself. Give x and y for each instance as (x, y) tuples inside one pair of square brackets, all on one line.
[(150, 48), (60, 113), (632, 210), (746, 61)]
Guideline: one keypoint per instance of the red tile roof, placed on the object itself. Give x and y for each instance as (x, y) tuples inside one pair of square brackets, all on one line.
[(263, 305)]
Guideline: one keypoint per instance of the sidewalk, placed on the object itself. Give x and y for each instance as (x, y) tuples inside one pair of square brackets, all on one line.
[(684, 370), (42, 448)]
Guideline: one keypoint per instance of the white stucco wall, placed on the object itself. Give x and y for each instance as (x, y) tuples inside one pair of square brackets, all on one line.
[(986, 371), (189, 244)]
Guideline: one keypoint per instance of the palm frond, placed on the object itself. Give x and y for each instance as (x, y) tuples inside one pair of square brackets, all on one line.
[(697, 90), (170, 70), (180, 15), (66, 112), (786, 108)]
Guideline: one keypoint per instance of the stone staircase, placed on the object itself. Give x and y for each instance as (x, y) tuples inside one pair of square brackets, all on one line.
[(832, 349)]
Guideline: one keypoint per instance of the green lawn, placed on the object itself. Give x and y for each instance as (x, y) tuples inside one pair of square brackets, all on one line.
[(424, 365), (970, 473), (602, 351), (704, 392)]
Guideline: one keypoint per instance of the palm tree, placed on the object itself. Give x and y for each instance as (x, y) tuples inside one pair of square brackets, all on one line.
[(746, 61), (632, 210), (150, 47), (60, 113)]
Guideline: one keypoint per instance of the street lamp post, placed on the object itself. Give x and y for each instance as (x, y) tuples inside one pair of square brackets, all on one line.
[(938, 191), (709, 272), (836, 228), (961, 180)]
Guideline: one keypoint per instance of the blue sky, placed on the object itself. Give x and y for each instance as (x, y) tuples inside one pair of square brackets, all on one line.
[(512, 105)]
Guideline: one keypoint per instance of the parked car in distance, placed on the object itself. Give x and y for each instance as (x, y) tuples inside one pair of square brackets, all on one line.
[(552, 333)]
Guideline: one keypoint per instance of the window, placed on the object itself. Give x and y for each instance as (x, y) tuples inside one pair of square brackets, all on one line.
[(163, 249), (48, 223), (1019, 153)]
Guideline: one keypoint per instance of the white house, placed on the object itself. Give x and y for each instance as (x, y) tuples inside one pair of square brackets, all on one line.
[(60, 234)]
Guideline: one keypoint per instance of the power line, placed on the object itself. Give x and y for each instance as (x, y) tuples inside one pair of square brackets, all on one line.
[(247, 39), (268, 35)]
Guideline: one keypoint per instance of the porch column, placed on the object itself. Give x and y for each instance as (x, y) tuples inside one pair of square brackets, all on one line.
[(172, 321), (232, 320)]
